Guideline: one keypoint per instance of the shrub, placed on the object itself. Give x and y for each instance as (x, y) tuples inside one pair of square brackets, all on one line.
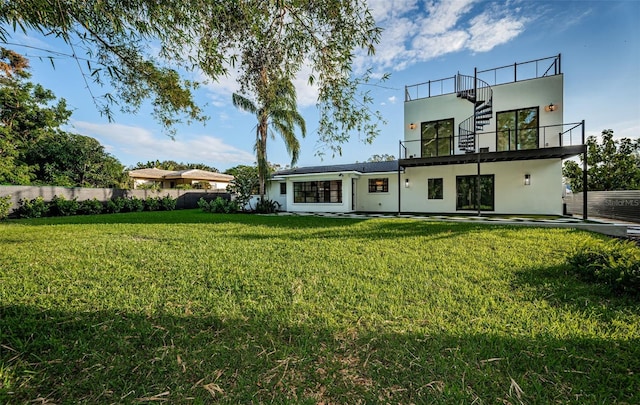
[(152, 203), (205, 205), (5, 204), (91, 207), (60, 206), (168, 203), (133, 204), (219, 205), (224, 206), (266, 206), (35, 208), (115, 205), (613, 262)]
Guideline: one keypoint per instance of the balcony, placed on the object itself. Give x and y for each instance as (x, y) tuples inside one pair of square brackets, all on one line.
[(555, 141)]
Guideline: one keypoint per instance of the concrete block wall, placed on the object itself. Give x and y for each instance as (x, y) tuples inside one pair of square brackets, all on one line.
[(185, 198)]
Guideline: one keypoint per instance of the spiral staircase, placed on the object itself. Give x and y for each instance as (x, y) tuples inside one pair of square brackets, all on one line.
[(480, 94)]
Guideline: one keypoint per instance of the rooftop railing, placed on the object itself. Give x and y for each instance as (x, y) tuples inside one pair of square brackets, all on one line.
[(520, 71)]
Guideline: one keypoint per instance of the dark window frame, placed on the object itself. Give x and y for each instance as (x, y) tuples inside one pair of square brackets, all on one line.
[(443, 144), (513, 135), (317, 192), (487, 197), (283, 188), (435, 188), (379, 185)]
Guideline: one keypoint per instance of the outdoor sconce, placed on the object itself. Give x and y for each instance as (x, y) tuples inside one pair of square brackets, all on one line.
[(406, 183), (527, 179), (412, 126), (550, 107)]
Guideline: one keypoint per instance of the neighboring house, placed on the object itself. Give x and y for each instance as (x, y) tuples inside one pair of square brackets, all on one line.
[(501, 129), (176, 179)]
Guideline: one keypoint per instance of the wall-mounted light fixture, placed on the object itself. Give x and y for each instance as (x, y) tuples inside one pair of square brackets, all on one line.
[(527, 179), (406, 183), (550, 107), (412, 126)]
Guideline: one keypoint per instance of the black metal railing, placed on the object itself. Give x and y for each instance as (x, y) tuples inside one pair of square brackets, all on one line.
[(549, 136), (532, 69), (480, 94)]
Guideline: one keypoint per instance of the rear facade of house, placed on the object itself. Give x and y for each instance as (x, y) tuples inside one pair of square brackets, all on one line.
[(488, 142)]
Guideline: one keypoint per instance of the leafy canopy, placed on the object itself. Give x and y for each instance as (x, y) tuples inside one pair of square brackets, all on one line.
[(173, 165), (277, 114), (136, 47), (611, 165), (33, 148)]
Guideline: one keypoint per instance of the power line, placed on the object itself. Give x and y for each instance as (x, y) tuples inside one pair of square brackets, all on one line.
[(49, 51)]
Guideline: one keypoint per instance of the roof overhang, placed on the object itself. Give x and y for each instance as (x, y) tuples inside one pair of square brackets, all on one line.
[(323, 174)]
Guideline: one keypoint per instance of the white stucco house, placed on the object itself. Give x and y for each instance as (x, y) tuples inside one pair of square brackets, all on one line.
[(491, 142)]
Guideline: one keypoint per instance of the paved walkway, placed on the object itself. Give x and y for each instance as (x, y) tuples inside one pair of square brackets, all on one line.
[(605, 226)]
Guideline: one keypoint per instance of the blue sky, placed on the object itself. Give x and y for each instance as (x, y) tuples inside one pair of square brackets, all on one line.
[(422, 40)]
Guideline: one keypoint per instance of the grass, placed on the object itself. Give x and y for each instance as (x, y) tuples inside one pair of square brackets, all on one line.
[(193, 308)]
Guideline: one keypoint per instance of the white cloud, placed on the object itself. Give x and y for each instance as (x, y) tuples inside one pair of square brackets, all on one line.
[(417, 32), (142, 145), (392, 99), (444, 16), (488, 32)]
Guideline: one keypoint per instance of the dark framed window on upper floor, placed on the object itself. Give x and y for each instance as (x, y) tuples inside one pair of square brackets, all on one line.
[(435, 189), (437, 137), (467, 192), (379, 185), (517, 129), (283, 188), (309, 192)]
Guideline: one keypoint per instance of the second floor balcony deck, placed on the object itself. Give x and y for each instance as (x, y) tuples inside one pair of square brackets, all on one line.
[(548, 142)]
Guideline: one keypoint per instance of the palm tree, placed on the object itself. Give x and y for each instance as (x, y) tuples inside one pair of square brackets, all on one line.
[(276, 113)]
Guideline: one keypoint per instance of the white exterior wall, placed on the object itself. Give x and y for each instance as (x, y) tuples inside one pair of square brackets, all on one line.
[(377, 202), (291, 206), (273, 192), (511, 195), (538, 92)]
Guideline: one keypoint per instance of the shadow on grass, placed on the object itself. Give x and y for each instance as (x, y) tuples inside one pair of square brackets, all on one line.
[(318, 227), (194, 216), (108, 357), (562, 287)]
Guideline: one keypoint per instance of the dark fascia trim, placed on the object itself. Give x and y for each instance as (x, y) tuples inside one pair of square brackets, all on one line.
[(559, 152)]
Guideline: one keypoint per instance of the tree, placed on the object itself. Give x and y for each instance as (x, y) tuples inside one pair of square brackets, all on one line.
[(71, 160), (33, 149), (381, 158), (611, 165), (254, 36), (173, 165), (28, 112), (244, 184), (278, 113)]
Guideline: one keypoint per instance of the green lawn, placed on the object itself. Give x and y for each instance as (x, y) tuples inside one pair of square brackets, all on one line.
[(189, 307)]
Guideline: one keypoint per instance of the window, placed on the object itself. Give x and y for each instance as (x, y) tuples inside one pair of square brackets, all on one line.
[(283, 188), (379, 185), (437, 138), (317, 191), (517, 129), (434, 189), (466, 189)]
